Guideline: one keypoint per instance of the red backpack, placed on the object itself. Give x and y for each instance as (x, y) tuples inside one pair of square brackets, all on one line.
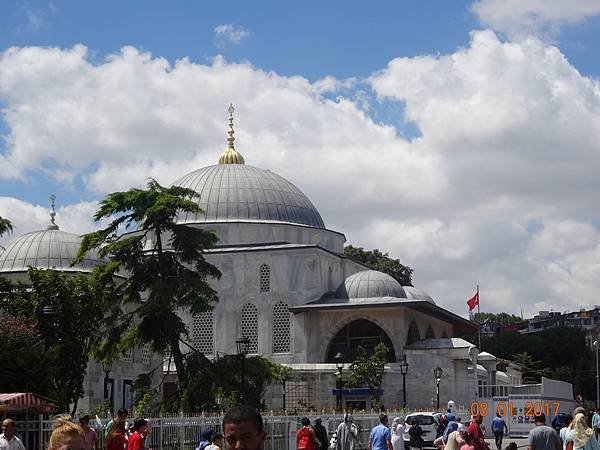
[(305, 439)]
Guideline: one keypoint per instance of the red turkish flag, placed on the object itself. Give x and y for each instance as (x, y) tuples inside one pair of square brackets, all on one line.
[(473, 301)]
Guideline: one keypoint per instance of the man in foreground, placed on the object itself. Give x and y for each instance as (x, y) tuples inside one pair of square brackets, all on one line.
[(8, 440), (243, 429), (381, 436), (543, 437)]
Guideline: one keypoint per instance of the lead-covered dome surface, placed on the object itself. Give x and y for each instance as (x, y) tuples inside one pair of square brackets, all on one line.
[(238, 192), (370, 284), (47, 249), (375, 284)]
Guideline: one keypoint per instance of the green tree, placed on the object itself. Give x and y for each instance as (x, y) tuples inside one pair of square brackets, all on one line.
[(27, 366), (531, 369), (367, 370), (501, 318), (214, 385), (68, 311), (5, 226), (376, 260), (165, 272)]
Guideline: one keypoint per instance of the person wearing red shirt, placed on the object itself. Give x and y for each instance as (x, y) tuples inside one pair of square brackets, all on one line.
[(140, 431), (115, 439), (474, 430)]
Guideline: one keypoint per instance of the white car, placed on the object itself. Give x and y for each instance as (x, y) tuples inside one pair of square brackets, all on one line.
[(427, 422)]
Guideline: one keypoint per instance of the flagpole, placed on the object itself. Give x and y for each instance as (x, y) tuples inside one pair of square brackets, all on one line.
[(478, 318)]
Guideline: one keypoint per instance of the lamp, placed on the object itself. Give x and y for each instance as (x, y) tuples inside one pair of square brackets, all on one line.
[(597, 376), (437, 372), (404, 371), (339, 363), (242, 343), (106, 368)]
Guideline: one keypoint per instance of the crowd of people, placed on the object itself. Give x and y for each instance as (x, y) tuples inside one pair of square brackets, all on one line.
[(243, 429)]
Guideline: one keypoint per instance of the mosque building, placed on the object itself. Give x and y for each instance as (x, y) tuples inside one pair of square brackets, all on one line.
[(288, 288)]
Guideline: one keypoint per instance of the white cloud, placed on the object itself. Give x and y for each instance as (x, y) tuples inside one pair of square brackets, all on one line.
[(26, 217), (520, 18), (500, 188), (228, 33)]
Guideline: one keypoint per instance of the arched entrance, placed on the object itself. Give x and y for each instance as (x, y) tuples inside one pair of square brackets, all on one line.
[(363, 333)]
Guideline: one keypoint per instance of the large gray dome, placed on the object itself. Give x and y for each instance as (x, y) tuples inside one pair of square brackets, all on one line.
[(47, 249), (375, 284), (238, 192)]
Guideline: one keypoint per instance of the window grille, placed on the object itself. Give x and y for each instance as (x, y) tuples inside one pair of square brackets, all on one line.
[(265, 278), (298, 395), (282, 328), (203, 332), (145, 355), (249, 326), (128, 355), (429, 334)]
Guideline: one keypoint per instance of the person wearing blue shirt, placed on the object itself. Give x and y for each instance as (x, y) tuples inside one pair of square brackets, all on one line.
[(498, 428), (381, 436)]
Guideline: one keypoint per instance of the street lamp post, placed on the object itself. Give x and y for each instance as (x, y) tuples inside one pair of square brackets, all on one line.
[(107, 367), (437, 372), (339, 363), (597, 376), (242, 343), (404, 371)]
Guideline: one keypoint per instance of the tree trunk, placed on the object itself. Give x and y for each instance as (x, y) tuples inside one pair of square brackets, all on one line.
[(177, 359)]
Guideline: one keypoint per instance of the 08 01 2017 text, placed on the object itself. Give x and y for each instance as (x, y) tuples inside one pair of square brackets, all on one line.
[(530, 409)]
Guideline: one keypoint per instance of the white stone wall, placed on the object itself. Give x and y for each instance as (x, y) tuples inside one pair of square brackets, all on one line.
[(298, 276), (236, 233)]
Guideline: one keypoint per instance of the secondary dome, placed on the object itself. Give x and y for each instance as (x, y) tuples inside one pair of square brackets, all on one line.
[(47, 249), (375, 284), (237, 192), (370, 284)]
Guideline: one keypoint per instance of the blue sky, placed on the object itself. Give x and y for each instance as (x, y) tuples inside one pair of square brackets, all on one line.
[(314, 38), (464, 122)]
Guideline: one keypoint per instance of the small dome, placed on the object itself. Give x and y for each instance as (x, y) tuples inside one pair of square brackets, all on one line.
[(47, 249), (238, 192), (375, 284), (370, 284)]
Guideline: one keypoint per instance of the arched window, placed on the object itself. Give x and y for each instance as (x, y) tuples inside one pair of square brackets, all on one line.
[(249, 326), (363, 333), (282, 328), (265, 278), (413, 333), (429, 334), (203, 332)]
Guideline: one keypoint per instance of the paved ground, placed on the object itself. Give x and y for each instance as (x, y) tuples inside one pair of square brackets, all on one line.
[(521, 442)]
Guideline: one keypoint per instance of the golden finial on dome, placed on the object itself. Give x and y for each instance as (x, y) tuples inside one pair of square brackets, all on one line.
[(231, 156)]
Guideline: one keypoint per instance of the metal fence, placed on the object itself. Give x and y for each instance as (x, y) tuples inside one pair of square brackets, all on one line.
[(183, 433)]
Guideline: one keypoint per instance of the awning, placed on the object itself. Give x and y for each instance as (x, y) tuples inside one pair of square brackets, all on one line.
[(25, 402)]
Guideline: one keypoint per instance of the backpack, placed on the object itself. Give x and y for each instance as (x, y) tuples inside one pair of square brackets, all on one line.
[(305, 440)]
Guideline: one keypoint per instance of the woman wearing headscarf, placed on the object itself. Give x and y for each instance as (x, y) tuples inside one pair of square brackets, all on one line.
[(398, 429), (581, 434)]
